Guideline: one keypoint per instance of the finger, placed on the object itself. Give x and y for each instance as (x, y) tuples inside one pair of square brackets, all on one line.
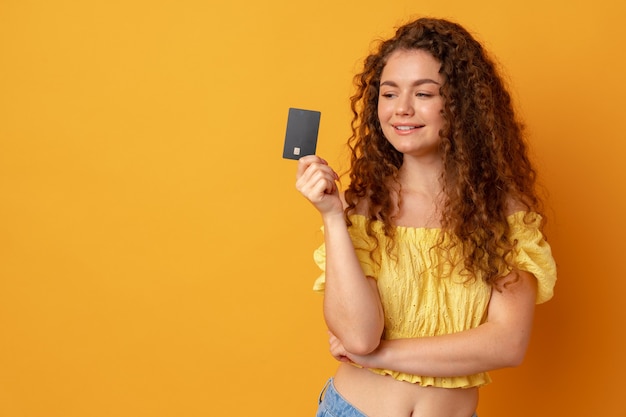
[(314, 177), (315, 169), (318, 193), (306, 161)]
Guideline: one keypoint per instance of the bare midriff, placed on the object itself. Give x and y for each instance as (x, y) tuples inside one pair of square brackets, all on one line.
[(383, 396)]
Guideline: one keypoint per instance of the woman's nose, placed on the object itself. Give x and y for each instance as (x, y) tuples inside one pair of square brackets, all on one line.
[(404, 106)]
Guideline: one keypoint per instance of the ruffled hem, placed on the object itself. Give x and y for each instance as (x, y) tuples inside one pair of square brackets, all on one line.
[(470, 381)]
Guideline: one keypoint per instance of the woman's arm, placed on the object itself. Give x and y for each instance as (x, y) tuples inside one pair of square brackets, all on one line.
[(352, 307), (498, 343)]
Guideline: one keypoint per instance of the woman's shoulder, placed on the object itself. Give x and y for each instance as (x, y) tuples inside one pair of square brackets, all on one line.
[(519, 212), (515, 205)]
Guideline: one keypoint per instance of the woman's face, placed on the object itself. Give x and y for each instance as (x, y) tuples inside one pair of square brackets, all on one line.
[(409, 103)]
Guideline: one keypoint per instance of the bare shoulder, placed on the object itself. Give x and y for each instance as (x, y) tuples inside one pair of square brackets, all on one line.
[(518, 280), (514, 205)]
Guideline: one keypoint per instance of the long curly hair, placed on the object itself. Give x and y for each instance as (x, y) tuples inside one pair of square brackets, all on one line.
[(485, 158)]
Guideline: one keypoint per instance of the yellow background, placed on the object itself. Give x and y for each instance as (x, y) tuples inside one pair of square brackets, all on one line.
[(155, 258)]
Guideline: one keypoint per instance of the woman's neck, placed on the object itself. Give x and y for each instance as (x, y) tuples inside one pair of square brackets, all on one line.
[(419, 195), (421, 177)]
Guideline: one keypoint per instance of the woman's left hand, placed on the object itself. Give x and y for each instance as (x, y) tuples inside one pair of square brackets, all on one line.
[(336, 348), (339, 352)]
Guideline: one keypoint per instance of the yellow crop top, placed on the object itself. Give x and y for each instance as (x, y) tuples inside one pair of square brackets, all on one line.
[(418, 302)]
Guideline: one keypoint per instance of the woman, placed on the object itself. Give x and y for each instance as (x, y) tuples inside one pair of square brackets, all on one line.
[(434, 256)]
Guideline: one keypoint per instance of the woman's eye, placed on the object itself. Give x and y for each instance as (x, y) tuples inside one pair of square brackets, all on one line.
[(423, 95), (388, 95)]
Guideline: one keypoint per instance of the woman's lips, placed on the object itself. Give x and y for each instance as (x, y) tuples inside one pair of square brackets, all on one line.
[(407, 128)]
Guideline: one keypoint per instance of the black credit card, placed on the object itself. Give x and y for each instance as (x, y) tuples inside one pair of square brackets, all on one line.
[(301, 136)]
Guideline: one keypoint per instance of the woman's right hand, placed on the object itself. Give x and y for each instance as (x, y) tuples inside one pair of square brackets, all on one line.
[(317, 181)]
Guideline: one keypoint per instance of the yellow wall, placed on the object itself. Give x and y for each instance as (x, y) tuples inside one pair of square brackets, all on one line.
[(155, 258)]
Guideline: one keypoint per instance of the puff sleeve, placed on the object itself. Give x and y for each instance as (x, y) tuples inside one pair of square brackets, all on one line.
[(532, 253), (368, 256)]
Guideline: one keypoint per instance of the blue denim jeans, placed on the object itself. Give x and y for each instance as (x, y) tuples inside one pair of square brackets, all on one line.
[(332, 404)]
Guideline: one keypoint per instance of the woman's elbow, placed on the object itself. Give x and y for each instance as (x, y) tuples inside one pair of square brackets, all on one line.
[(361, 346), (363, 342), (514, 359), (513, 355)]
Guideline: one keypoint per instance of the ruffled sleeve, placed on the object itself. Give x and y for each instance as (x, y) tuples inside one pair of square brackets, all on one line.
[(363, 245), (319, 256), (532, 253)]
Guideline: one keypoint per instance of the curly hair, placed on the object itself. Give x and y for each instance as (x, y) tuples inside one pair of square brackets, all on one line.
[(485, 158)]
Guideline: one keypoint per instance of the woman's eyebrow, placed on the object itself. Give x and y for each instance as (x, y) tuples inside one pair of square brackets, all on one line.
[(416, 83)]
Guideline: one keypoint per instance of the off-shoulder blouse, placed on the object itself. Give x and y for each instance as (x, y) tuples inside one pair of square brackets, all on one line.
[(423, 290)]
